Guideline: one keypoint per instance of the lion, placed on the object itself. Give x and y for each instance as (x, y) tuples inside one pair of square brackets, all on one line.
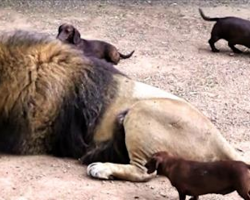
[(56, 101)]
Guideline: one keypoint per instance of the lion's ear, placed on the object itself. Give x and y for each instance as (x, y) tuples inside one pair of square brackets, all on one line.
[(76, 36)]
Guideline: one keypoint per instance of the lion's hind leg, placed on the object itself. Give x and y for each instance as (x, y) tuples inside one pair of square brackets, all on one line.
[(144, 135), (128, 172), (137, 153)]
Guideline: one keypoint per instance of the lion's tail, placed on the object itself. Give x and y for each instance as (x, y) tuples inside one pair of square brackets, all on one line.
[(112, 150), (207, 18)]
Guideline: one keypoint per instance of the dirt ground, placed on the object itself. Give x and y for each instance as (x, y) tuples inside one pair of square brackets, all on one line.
[(171, 52)]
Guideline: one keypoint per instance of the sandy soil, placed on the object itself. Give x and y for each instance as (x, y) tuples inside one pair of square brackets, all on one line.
[(171, 52)]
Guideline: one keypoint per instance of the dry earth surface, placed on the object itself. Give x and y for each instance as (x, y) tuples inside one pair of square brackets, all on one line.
[(171, 52)]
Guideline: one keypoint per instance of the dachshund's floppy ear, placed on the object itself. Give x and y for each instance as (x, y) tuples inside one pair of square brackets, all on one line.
[(60, 28), (76, 36)]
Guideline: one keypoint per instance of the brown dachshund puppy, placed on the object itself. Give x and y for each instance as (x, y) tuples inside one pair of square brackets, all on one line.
[(199, 178), (234, 30), (95, 48)]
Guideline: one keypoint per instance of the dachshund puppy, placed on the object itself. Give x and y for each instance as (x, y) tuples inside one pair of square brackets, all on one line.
[(93, 48), (233, 29), (199, 178)]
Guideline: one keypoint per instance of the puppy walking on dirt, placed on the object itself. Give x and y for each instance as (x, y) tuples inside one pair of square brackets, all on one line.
[(199, 178), (233, 29), (96, 48)]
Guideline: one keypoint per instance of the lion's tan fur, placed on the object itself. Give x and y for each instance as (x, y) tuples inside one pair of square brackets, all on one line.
[(129, 92), (175, 127)]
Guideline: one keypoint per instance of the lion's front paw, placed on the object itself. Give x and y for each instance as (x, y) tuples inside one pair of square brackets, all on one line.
[(99, 170)]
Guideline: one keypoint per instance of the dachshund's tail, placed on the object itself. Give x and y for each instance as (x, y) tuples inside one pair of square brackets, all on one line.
[(207, 18), (126, 56)]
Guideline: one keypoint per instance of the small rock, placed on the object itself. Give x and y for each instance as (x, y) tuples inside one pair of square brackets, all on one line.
[(136, 197), (163, 194), (39, 176)]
